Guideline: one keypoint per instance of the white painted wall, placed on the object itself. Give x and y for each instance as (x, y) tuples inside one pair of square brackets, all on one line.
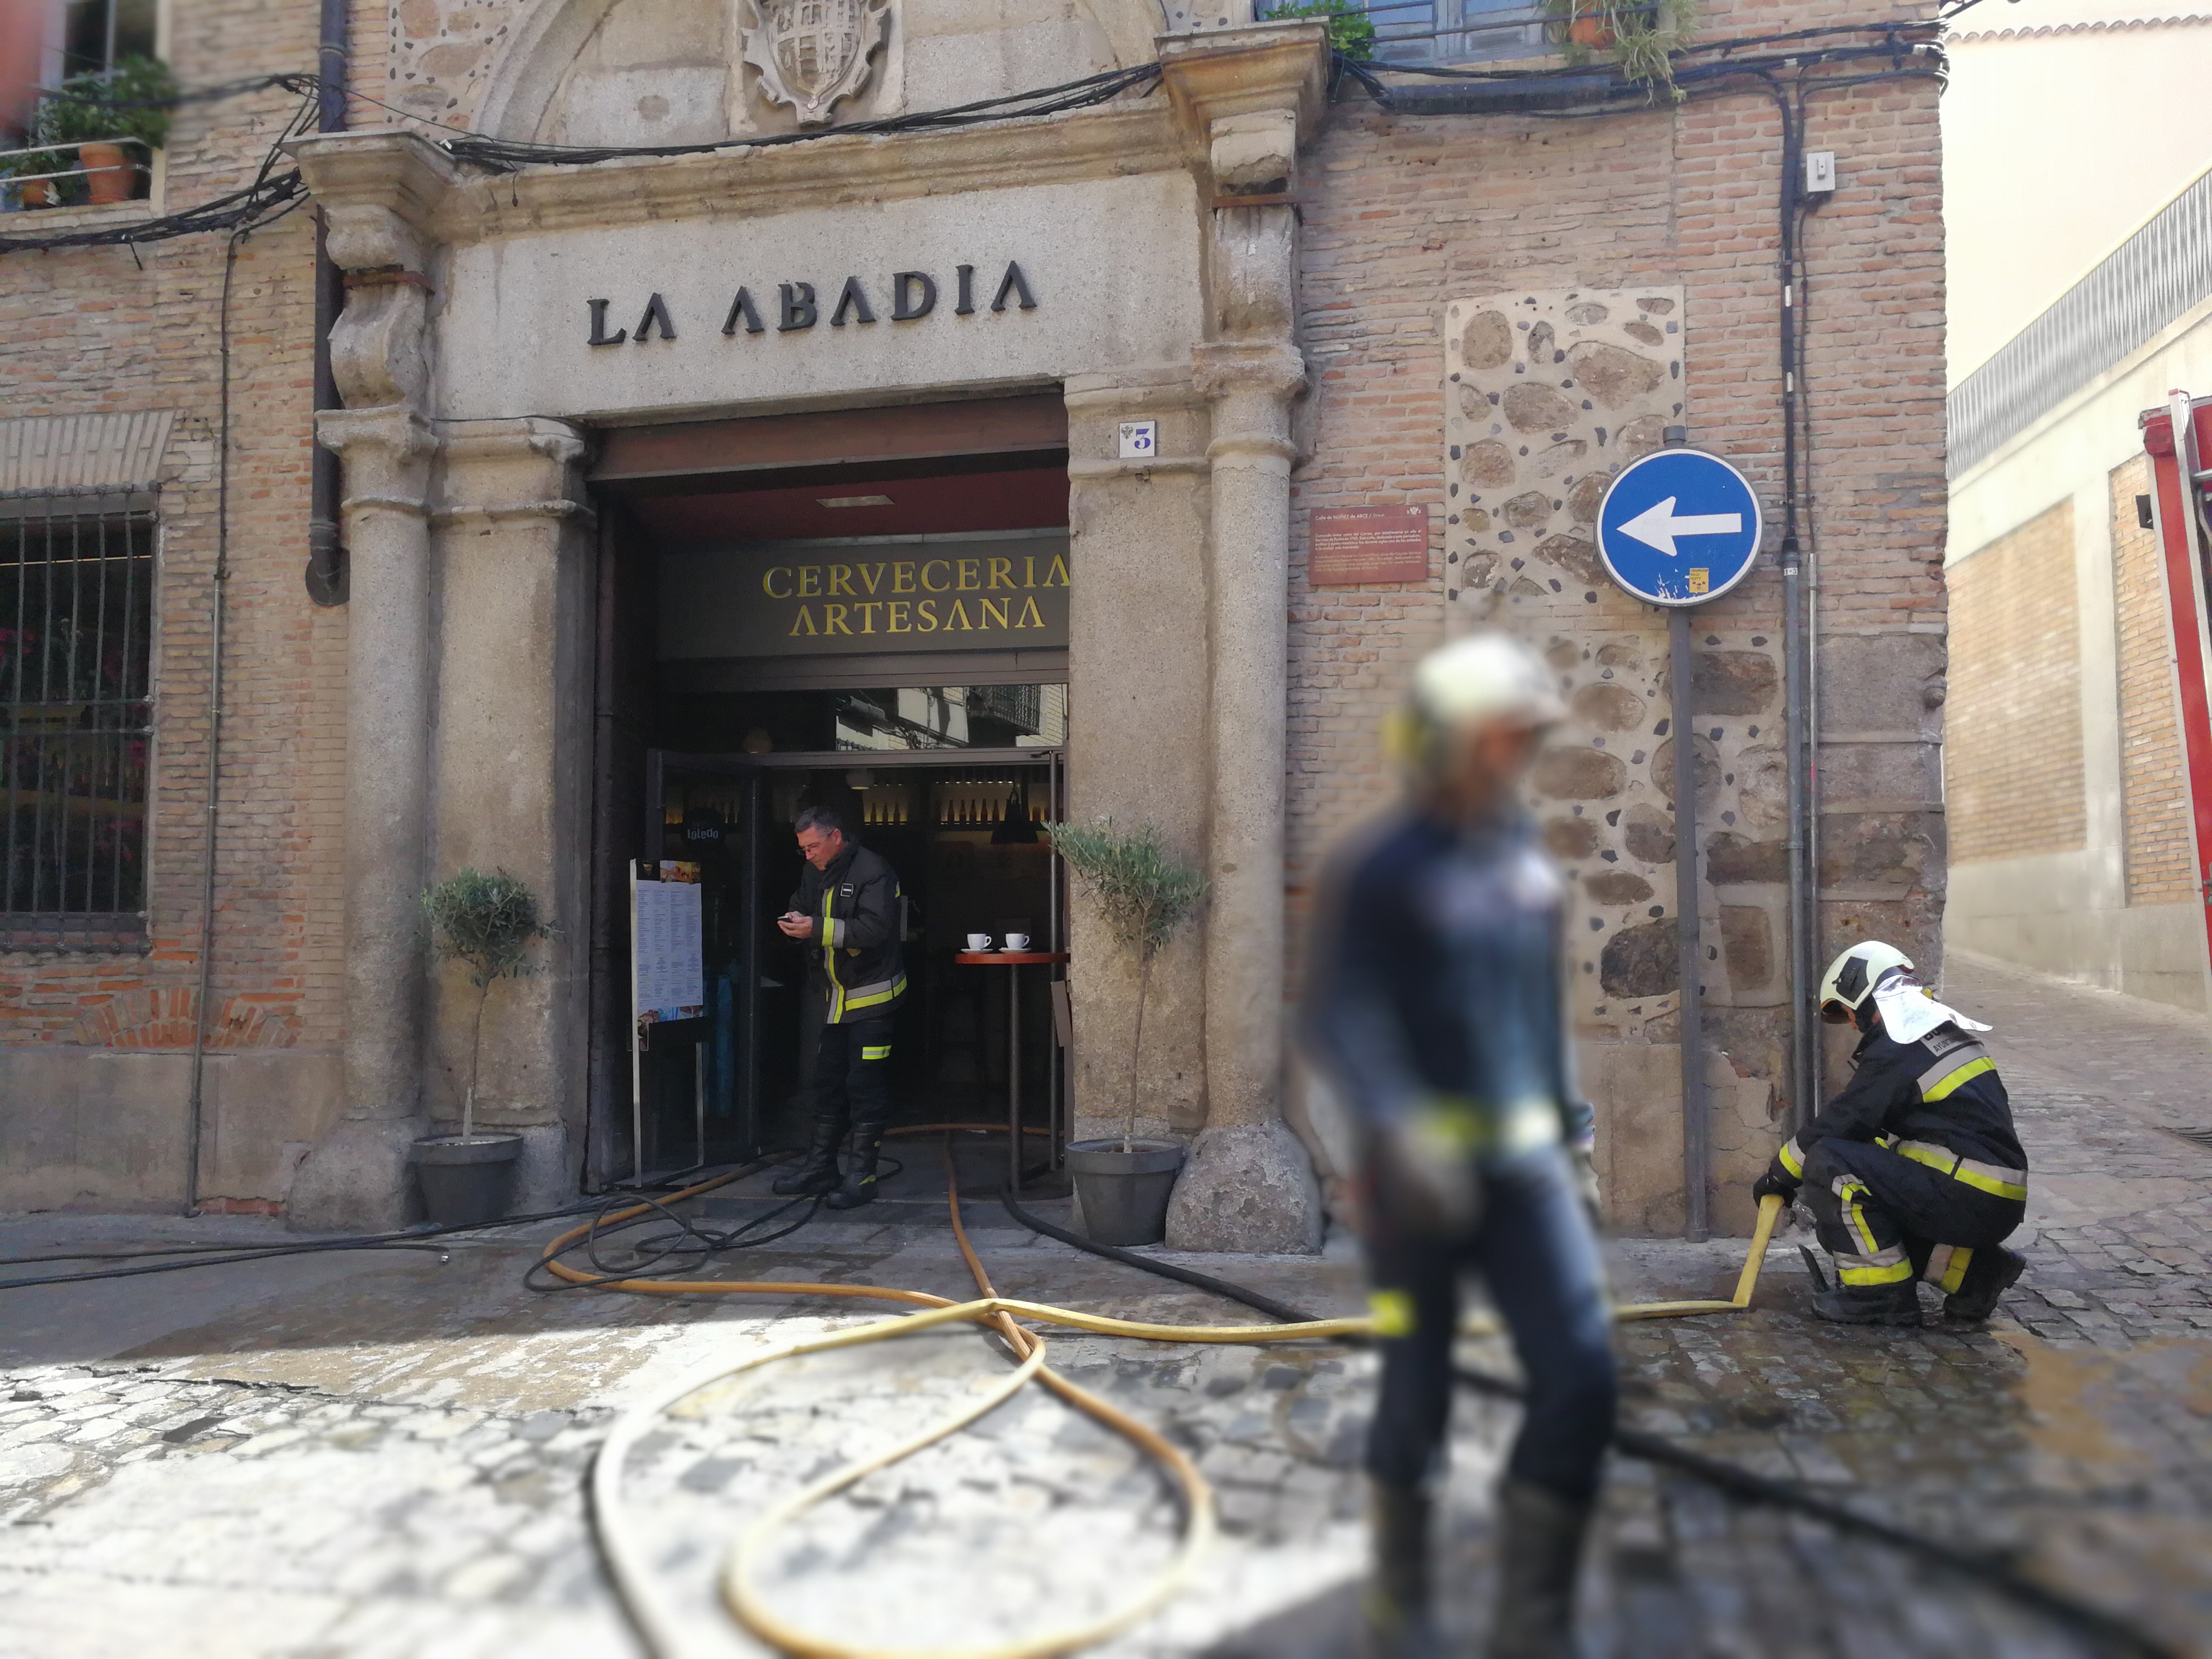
[(2066, 125)]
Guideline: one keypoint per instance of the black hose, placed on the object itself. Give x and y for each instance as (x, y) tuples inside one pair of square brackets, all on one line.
[(1731, 1479)]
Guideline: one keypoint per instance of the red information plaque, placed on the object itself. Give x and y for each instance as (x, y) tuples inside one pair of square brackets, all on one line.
[(1363, 546)]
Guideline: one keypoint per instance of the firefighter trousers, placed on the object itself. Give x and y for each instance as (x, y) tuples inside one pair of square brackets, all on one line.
[(847, 1077), (1536, 1252), (1886, 1218)]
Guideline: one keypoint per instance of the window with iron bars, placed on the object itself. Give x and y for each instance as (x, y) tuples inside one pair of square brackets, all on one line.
[(76, 623), (1438, 32)]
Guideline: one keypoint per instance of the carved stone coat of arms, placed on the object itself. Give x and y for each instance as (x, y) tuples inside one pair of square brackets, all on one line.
[(811, 53)]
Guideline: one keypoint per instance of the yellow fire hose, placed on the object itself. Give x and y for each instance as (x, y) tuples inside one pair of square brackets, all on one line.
[(744, 1597)]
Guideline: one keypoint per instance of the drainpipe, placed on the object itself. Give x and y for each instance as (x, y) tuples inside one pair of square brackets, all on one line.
[(326, 565)]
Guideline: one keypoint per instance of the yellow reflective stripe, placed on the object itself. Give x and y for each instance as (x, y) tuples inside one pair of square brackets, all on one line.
[(1792, 1159), (1392, 1311), (868, 996), (1984, 1177), (875, 1051), (1950, 1082), (1946, 1268), (1848, 1190), (1889, 1273)]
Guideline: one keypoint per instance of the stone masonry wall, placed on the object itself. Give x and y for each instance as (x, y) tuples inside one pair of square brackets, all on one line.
[(2154, 787), (1405, 215), (96, 330)]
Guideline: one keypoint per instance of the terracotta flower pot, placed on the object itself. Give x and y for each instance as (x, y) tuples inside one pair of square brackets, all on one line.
[(39, 193), (1590, 29), (109, 175)]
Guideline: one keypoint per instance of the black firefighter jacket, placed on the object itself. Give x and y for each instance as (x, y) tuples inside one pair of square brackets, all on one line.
[(1938, 1102), (856, 968)]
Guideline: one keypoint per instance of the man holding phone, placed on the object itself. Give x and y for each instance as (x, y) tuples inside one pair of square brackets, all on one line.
[(847, 907)]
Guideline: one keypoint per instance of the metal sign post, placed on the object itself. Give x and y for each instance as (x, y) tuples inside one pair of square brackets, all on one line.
[(1678, 529)]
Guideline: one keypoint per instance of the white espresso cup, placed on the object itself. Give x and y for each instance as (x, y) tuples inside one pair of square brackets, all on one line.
[(1017, 941), (979, 941)]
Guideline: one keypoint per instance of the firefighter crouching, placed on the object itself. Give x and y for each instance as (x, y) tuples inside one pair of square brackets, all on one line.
[(1913, 1171), (846, 908)]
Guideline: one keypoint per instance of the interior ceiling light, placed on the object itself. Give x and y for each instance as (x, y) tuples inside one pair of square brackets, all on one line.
[(854, 501)]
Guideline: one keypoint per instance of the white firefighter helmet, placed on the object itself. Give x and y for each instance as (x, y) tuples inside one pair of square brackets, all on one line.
[(1472, 681), (1852, 978)]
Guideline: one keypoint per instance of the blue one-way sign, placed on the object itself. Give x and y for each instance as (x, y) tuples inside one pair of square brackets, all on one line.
[(1679, 527)]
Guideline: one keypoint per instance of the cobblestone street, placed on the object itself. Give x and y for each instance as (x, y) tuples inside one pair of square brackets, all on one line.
[(385, 1455)]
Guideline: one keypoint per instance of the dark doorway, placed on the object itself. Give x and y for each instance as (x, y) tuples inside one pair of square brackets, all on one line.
[(763, 648)]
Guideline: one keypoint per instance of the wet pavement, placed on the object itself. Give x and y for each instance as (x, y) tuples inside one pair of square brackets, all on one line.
[(371, 1455)]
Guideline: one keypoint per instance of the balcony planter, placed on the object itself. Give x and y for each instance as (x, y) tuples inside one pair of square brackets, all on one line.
[(466, 1180), (109, 175), (1122, 1188)]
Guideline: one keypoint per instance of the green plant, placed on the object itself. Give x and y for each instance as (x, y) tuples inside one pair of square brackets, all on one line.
[(1143, 893), (1350, 30), (131, 101), (1644, 34), (487, 921)]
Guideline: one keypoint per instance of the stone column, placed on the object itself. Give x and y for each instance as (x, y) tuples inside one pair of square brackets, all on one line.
[(376, 192), (1250, 1184), (511, 776)]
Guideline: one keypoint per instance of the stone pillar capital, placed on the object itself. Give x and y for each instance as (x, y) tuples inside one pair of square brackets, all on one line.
[(1268, 369), (378, 191), (1217, 78), (386, 450), (512, 469)]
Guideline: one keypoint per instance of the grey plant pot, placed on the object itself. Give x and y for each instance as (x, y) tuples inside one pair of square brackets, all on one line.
[(1124, 1195), (465, 1183)]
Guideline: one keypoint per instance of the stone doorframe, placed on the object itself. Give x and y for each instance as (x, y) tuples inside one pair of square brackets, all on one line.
[(470, 745)]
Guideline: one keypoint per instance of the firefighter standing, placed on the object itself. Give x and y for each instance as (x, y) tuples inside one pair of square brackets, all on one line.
[(1438, 1010), (847, 907), (1913, 1171)]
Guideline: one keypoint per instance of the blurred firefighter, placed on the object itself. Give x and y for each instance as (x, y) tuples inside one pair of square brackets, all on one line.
[(1438, 1010), (847, 906), (1913, 1171)]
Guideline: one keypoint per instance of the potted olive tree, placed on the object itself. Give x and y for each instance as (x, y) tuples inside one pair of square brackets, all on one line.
[(487, 922), (1144, 895)]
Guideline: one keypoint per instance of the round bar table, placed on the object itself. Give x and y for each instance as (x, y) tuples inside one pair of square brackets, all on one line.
[(1013, 962)]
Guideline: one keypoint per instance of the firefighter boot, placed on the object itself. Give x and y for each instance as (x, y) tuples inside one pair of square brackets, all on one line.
[(1869, 1304), (859, 1185), (816, 1172), (1397, 1617), (1989, 1276), (1539, 1552)]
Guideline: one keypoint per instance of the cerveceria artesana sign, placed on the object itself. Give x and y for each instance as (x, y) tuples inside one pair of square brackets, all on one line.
[(907, 296)]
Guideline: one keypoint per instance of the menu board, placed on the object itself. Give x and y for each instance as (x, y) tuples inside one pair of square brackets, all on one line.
[(668, 978)]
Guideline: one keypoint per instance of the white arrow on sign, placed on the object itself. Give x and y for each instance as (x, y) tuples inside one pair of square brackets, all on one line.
[(1658, 527)]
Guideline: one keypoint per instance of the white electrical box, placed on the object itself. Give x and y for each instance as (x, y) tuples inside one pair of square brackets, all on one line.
[(1820, 172), (1141, 439)]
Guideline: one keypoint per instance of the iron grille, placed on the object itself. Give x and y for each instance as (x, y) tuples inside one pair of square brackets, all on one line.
[(1021, 707), (77, 617), (1453, 31), (2146, 282)]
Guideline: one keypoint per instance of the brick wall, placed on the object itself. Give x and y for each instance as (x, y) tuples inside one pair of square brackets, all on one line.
[(96, 330), (1405, 214), (2013, 760), (2153, 787)]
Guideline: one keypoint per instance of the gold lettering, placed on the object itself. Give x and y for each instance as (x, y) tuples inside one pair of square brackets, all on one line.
[(841, 578), (867, 608), (803, 623), (1029, 571), (971, 575), (935, 587), (895, 623), (902, 576), (768, 582), (810, 581), (833, 619), (872, 574), (1029, 617), (925, 611), (959, 617), (993, 610), (1002, 573), (1056, 576)]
